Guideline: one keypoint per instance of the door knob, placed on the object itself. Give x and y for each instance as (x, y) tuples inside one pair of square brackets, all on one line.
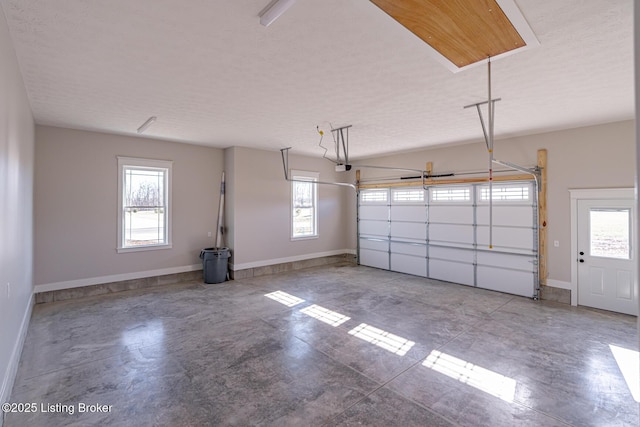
[(581, 260), (581, 253)]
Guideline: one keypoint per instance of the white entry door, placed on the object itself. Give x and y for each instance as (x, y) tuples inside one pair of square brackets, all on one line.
[(607, 255)]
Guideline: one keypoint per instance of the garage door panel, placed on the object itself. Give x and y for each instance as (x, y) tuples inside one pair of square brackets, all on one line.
[(451, 233), (409, 264), (379, 212), (497, 259), (451, 271), (408, 213), (509, 281), (374, 244), (374, 258), (506, 215), (409, 249), (507, 237), (451, 254), (374, 253), (457, 214), (409, 230), (376, 228)]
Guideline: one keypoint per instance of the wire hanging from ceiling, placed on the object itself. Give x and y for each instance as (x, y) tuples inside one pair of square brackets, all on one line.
[(340, 141), (321, 132)]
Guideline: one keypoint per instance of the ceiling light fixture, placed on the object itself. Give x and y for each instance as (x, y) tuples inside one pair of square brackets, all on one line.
[(274, 10), (146, 124)]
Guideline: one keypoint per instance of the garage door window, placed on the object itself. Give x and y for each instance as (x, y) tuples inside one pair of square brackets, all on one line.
[(451, 194), (408, 196), (505, 193), (373, 196)]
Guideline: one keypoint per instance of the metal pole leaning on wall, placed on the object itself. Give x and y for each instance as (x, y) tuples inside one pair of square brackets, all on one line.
[(358, 217), (220, 226)]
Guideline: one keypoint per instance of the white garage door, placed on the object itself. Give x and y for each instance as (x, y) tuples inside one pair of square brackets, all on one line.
[(408, 231), (443, 233), (373, 228)]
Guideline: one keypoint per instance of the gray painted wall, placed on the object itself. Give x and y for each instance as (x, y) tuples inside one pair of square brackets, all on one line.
[(75, 218), (16, 210), (76, 204), (259, 211)]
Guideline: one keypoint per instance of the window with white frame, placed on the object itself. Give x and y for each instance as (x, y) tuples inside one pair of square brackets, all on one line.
[(410, 195), (505, 193), (373, 196), (304, 204), (144, 204), (450, 194)]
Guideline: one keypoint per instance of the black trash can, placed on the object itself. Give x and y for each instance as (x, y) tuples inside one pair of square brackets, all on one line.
[(214, 264)]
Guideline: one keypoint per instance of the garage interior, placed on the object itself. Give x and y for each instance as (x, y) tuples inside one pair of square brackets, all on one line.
[(429, 209)]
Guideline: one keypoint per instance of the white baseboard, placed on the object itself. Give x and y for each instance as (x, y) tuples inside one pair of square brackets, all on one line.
[(14, 362), (558, 284), (114, 278), (262, 263)]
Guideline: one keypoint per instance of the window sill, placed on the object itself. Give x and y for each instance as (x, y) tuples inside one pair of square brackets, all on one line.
[(143, 248), (295, 239)]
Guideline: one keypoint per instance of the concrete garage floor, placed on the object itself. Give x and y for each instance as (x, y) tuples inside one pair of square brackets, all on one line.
[(365, 347)]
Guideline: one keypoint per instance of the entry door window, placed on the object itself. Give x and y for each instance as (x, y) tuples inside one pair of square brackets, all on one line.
[(609, 233)]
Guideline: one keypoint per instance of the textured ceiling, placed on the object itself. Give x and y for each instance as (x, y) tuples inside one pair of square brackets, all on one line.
[(213, 75)]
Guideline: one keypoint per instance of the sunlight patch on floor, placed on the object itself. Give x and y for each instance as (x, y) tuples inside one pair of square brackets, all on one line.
[(284, 298), (143, 334), (478, 377), (325, 315), (383, 339), (629, 363)]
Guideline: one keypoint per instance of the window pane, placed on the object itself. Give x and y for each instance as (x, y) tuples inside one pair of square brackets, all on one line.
[(408, 195), (144, 188), (302, 195), (144, 207), (450, 194), (144, 226), (609, 230), (304, 209), (144, 204), (371, 196), (303, 222), (505, 193)]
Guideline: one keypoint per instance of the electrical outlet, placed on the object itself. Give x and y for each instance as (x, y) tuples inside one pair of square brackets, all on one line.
[(556, 243), (208, 234)]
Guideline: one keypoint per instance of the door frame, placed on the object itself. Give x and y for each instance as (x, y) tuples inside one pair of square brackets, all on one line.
[(589, 194)]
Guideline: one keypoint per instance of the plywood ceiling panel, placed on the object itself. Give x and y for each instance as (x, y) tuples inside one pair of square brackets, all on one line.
[(463, 31)]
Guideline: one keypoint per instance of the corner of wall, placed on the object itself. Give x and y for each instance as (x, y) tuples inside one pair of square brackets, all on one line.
[(17, 159), (14, 361)]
